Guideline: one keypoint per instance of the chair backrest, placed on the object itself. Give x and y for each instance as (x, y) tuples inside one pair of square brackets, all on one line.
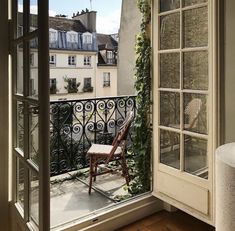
[(192, 110), (122, 134)]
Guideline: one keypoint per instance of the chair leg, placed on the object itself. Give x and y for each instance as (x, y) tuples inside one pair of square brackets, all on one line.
[(125, 170), (91, 174), (96, 165)]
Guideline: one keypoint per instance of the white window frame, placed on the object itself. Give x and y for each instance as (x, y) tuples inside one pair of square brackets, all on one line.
[(110, 57), (162, 171), (109, 54), (87, 60), (52, 59), (106, 79), (87, 38), (72, 60), (72, 37)]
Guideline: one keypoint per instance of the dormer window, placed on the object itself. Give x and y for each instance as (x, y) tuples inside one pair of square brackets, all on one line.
[(52, 36), (72, 37), (87, 38)]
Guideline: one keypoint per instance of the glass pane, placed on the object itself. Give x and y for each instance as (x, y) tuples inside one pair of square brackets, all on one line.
[(166, 5), (195, 152), (170, 148), (20, 126), (20, 183), (192, 2), (170, 31), (170, 109), (170, 70), (195, 27), (195, 70), (20, 18), (33, 15), (34, 198), (195, 113), (33, 134), (19, 71), (33, 61)]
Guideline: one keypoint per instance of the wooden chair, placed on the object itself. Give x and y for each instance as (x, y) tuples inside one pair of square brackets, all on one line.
[(101, 153), (192, 112)]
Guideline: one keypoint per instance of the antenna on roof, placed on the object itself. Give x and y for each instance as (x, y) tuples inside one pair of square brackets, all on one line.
[(91, 4)]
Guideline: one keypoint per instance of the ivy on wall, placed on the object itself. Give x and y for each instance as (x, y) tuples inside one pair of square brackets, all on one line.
[(142, 125)]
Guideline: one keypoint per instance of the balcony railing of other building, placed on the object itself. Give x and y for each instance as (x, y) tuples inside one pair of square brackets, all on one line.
[(76, 124), (112, 61), (88, 88)]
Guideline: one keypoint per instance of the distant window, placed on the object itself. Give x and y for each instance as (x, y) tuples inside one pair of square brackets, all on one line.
[(87, 82), (87, 38), (72, 86), (109, 54), (72, 37), (52, 36), (87, 60), (52, 60), (106, 79), (53, 88), (31, 59), (71, 60), (110, 57), (87, 85)]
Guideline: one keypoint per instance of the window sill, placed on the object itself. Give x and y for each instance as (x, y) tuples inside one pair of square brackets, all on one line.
[(117, 215)]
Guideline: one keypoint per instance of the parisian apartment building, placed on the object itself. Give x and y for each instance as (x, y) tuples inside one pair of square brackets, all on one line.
[(83, 63)]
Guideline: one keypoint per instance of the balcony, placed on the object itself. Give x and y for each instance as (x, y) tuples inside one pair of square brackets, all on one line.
[(75, 125)]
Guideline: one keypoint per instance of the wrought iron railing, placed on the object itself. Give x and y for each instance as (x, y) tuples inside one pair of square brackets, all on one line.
[(76, 124)]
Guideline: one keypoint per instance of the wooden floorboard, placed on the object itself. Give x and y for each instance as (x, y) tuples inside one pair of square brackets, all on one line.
[(165, 221)]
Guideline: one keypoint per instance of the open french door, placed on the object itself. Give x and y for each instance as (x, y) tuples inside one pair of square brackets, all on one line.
[(184, 104), (30, 110)]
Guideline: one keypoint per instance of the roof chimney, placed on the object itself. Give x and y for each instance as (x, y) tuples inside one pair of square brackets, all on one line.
[(88, 19)]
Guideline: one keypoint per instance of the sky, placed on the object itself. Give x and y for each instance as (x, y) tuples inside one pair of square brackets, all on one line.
[(108, 12)]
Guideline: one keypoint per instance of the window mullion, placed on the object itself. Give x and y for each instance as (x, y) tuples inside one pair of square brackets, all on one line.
[(181, 92)]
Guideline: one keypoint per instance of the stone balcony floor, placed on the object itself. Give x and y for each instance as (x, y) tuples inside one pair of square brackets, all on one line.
[(70, 199)]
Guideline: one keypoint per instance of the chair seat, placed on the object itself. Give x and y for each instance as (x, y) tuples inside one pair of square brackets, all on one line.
[(103, 149)]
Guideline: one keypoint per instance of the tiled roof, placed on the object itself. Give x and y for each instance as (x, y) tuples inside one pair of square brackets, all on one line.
[(64, 24), (105, 41)]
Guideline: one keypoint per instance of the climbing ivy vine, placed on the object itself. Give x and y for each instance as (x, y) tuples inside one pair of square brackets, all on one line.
[(142, 125)]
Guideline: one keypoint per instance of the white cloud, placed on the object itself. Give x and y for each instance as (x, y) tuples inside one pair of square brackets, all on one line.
[(110, 23), (34, 10)]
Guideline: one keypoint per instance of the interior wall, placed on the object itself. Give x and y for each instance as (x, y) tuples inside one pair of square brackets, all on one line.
[(4, 115), (229, 73)]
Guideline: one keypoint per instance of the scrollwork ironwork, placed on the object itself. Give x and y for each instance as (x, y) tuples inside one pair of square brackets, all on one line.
[(76, 124)]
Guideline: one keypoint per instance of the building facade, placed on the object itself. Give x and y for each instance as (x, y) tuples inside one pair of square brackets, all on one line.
[(83, 64), (106, 78)]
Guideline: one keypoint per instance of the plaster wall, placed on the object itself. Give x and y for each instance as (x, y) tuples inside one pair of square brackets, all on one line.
[(129, 28), (109, 90), (229, 76)]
